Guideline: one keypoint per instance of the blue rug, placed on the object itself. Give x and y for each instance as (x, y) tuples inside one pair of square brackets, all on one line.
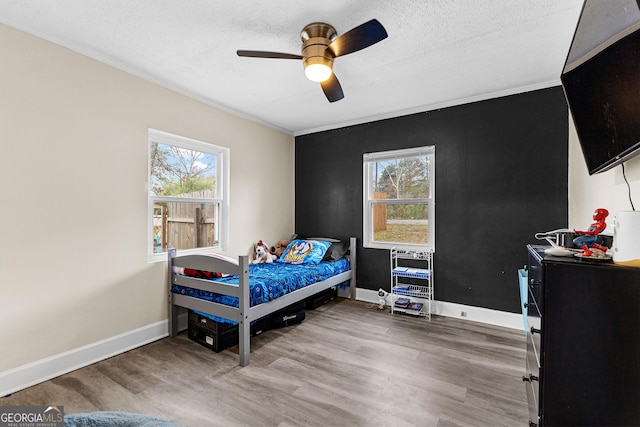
[(116, 419)]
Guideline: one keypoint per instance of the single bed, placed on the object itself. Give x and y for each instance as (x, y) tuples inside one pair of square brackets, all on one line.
[(248, 303)]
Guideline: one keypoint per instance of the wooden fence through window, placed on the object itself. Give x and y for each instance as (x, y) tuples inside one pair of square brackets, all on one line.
[(185, 225), (379, 213)]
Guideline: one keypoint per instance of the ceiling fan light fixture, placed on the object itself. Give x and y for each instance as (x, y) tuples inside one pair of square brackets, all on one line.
[(318, 72), (321, 45), (317, 59)]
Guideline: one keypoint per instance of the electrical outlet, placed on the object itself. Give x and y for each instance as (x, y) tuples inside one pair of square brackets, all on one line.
[(463, 314)]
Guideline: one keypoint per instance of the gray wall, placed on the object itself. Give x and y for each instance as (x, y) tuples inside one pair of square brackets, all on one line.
[(501, 176)]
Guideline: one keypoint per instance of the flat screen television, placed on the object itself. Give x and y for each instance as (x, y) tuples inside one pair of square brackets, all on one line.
[(601, 82)]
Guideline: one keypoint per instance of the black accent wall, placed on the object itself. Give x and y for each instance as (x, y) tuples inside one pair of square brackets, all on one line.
[(501, 176)]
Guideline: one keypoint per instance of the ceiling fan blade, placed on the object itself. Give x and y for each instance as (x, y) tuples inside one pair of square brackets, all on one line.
[(263, 54), (365, 35), (332, 88)]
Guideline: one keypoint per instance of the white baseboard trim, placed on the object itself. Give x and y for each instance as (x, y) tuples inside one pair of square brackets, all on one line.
[(450, 309), (45, 369)]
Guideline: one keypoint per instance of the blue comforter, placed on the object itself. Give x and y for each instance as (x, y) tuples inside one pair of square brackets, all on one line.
[(270, 281)]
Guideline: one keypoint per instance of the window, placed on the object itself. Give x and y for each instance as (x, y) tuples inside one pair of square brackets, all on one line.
[(399, 199), (188, 195)]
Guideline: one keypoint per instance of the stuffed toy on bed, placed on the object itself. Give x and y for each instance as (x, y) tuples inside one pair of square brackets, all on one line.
[(279, 248), (261, 253)]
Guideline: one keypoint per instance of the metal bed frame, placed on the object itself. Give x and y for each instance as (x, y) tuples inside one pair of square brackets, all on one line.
[(243, 314)]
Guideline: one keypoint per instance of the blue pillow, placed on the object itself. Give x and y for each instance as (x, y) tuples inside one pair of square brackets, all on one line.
[(304, 252)]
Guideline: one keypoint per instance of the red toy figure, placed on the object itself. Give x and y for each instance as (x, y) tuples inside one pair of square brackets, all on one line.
[(589, 238)]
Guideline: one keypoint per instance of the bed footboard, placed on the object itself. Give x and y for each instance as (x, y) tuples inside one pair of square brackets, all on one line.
[(238, 268)]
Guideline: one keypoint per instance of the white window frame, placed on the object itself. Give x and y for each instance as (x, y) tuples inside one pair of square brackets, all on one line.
[(368, 159), (222, 190)]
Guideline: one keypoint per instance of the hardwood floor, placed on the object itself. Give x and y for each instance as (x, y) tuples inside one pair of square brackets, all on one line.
[(347, 364)]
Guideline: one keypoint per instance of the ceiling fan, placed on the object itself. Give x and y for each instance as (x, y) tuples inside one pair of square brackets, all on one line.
[(321, 45)]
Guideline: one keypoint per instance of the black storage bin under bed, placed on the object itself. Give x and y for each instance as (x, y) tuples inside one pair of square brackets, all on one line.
[(321, 298), (218, 336)]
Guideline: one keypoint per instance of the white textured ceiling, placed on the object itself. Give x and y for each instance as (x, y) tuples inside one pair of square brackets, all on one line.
[(438, 53)]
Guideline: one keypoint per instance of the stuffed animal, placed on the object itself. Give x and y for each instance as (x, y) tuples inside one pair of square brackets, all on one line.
[(279, 248), (261, 253)]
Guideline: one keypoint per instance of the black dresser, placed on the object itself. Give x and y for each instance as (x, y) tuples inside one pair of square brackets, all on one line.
[(583, 344)]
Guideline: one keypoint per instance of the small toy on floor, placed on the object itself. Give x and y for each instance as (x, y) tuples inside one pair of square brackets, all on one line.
[(261, 253), (382, 298)]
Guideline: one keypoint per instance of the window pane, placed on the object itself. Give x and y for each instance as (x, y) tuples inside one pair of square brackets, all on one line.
[(402, 223), (188, 195), (400, 178), (179, 171), (184, 225), (399, 198)]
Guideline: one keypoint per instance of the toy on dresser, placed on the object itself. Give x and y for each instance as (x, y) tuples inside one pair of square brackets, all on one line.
[(590, 240)]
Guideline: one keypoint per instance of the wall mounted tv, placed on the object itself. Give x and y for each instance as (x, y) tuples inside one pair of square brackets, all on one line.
[(601, 82)]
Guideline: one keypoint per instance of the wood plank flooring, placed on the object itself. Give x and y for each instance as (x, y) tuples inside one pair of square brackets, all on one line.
[(347, 364)]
